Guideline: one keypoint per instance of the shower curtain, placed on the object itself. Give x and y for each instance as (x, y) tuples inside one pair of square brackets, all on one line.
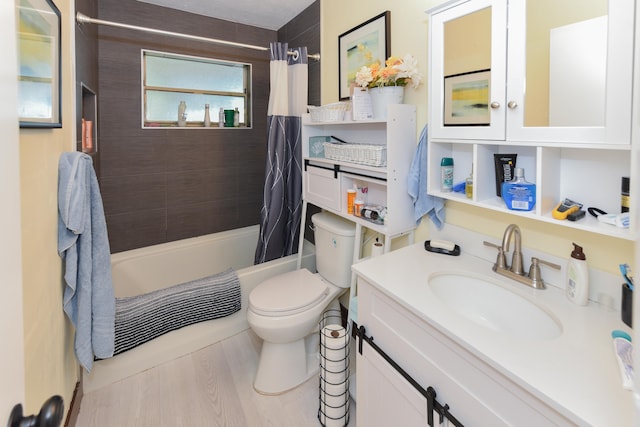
[(281, 210)]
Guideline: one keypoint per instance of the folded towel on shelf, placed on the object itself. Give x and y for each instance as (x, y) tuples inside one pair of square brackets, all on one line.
[(83, 244), (423, 203)]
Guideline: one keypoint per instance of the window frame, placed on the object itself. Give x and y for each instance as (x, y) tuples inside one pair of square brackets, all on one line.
[(247, 95)]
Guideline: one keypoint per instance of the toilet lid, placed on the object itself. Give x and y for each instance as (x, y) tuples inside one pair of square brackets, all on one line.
[(288, 293)]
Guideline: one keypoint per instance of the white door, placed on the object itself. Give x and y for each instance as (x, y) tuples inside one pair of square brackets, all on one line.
[(11, 325)]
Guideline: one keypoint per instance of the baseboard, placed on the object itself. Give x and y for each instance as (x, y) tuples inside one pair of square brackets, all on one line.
[(74, 408)]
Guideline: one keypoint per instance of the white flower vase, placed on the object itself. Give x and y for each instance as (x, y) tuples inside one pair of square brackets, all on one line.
[(381, 97)]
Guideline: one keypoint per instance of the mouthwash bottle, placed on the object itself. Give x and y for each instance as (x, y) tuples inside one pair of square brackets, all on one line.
[(519, 194)]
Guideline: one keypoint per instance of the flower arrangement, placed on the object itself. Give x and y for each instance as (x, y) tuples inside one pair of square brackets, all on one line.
[(396, 72)]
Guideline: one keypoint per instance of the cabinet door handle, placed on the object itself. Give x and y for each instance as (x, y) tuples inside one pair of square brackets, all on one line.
[(512, 104), (494, 105)]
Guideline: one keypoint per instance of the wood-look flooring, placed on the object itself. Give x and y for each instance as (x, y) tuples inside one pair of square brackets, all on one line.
[(210, 387)]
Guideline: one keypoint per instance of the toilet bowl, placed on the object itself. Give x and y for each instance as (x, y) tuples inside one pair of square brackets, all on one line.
[(285, 310)]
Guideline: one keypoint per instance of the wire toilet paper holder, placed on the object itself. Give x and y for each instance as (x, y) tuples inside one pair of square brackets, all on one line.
[(333, 386)]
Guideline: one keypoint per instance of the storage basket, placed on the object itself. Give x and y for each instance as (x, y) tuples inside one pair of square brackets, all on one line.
[(366, 154), (328, 113)]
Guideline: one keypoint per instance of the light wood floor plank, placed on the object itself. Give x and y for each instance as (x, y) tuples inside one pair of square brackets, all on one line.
[(210, 387)]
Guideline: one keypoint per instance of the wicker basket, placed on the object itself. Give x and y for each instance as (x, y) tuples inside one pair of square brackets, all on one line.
[(366, 154), (328, 113)]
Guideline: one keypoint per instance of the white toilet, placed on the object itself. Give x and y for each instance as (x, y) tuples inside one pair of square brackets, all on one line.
[(285, 310)]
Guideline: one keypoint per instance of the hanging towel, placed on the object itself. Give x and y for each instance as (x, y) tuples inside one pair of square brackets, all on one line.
[(423, 203), (83, 244)]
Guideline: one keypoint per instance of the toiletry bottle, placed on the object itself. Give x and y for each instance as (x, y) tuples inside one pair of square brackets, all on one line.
[(519, 194), (468, 185), (236, 117), (625, 201), (207, 117), (578, 277), (446, 174), (221, 118), (182, 116)]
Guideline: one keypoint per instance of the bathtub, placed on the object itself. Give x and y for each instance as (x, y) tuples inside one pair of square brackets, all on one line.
[(143, 270)]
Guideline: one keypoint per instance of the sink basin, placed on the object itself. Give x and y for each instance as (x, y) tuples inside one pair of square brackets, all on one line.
[(488, 304)]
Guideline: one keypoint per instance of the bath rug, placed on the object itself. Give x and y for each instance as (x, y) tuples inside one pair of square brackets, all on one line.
[(142, 318)]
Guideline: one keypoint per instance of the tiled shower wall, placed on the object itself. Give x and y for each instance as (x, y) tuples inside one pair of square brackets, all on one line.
[(160, 185)]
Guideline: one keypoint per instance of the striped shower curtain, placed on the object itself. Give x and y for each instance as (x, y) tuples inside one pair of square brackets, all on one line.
[(281, 210)]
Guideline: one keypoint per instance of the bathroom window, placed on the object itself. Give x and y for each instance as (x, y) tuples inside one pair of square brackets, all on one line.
[(168, 79)]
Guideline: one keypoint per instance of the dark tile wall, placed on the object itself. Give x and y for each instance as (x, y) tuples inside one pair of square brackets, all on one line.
[(86, 40), (304, 30), (166, 184)]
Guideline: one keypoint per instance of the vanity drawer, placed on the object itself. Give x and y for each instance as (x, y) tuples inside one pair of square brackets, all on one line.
[(322, 186)]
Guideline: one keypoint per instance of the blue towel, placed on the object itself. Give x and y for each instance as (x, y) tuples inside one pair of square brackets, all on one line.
[(83, 244), (423, 203)]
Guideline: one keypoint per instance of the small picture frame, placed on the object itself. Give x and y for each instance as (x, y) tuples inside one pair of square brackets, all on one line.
[(466, 99), (39, 99), (365, 44)]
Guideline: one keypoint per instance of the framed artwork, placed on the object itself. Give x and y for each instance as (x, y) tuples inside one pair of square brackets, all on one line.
[(466, 99), (39, 64), (366, 44)]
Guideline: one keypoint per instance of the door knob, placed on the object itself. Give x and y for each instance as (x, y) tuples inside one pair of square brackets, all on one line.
[(512, 104), (50, 415), (494, 105)]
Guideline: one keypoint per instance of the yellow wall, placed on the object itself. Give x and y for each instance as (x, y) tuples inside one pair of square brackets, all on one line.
[(409, 29), (50, 366)]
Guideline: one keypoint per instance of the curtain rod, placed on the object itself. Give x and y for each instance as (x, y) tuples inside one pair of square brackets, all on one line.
[(84, 19)]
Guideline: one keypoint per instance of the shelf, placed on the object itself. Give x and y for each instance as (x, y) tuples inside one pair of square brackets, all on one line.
[(88, 132)]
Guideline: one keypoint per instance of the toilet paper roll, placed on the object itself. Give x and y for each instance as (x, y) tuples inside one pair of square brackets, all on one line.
[(334, 337), (334, 410), (377, 249)]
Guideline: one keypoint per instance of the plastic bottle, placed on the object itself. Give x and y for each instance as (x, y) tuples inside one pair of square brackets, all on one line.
[(182, 116), (221, 118), (468, 185), (446, 174), (578, 277), (236, 117), (207, 117), (519, 194)]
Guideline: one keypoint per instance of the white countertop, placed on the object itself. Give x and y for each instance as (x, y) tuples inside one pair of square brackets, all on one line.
[(576, 373)]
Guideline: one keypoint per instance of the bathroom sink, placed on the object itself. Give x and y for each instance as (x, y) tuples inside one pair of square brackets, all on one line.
[(488, 304)]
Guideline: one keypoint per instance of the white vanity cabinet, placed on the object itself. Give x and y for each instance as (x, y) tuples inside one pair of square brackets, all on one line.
[(477, 393), (549, 81)]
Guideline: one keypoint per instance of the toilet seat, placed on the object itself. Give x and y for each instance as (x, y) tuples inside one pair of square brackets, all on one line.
[(287, 294)]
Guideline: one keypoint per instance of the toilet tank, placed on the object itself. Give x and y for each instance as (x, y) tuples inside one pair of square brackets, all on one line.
[(334, 237)]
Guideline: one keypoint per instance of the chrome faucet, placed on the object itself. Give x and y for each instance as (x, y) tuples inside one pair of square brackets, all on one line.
[(516, 270), (516, 259)]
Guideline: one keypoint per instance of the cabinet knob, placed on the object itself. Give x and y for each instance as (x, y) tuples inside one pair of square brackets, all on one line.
[(494, 105), (512, 104)]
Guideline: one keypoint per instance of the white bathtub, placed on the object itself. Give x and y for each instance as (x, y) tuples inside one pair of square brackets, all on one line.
[(146, 269)]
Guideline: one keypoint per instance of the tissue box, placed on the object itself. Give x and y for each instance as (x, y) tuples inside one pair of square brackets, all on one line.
[(316, 145)]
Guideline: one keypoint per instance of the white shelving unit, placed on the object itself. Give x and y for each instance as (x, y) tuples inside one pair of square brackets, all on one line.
[(582, 163), (325, 181)]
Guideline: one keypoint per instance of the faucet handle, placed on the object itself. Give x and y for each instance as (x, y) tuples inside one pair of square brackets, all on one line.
[(534, 272), (501, 260)]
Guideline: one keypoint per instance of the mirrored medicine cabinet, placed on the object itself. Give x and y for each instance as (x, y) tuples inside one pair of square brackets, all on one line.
[(537, 70)]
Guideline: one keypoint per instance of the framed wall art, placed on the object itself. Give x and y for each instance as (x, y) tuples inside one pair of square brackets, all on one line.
[(39, 64), (466, 99), (366, 44)]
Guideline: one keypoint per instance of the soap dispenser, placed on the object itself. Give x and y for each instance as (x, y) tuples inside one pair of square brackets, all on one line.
[(578, 277)]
